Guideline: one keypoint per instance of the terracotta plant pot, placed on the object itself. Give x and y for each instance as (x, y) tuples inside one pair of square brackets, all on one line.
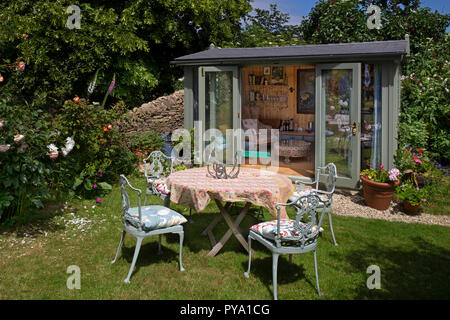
[(378, 195), (409, 208)]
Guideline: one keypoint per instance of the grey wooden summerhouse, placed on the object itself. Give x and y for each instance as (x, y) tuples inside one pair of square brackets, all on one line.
[(339, 102)]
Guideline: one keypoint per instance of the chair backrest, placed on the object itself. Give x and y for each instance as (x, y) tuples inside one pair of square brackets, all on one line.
[(330, 182), (306, 224), (126, 199), (154, 164)]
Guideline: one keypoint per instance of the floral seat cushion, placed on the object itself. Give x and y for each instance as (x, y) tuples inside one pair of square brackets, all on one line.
[(268, 229), (323, 197), (160, 185), (155, 217)]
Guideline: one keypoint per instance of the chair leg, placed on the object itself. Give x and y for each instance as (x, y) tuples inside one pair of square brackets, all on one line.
[(119, 248), (190, 213), (274, 274), (136, 253), (331, 227), (181, 234), (317, 274), (246, 274), (159, 244), (145, 198)]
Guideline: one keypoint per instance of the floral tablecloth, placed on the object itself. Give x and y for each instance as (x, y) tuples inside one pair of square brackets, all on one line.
[(195, 188)]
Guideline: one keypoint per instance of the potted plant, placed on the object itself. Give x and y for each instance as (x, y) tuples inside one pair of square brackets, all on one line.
[(412, 197), (379, 186)]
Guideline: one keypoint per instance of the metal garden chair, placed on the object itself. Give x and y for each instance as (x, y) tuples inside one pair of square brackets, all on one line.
[(145, 221), (154, 166), (286, 236), (326, 196)]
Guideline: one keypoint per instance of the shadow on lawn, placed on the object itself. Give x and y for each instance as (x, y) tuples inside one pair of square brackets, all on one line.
[(418, 271)]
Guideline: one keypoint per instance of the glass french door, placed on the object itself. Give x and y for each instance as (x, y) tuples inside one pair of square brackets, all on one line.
[(339, 112), (219, 112)]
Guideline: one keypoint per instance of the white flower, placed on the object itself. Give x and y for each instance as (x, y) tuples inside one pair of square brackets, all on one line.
[(52, 148), (1, 123), (18, 138), (70, 143), (4, 147)]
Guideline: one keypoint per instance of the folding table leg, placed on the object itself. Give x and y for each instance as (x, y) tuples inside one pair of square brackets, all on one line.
[(234, 228)]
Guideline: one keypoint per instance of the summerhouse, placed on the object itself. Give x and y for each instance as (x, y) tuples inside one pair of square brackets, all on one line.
[(330, 102)]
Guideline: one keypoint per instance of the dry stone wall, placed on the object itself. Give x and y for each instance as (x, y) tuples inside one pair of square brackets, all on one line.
[(162, 115)]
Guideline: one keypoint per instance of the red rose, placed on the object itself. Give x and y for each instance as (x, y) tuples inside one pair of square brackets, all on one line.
[(76, 99)]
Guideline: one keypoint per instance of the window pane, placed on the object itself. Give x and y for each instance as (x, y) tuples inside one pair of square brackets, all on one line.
[(370, 116)]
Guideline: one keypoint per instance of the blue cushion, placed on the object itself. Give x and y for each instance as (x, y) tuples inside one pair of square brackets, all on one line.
[(156, 217)]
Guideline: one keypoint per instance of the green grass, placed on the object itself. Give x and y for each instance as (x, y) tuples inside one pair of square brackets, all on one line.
[(439, 200), (414, 260)]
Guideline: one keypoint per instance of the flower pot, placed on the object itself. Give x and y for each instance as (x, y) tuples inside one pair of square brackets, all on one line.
[(410, 208), (378, 195)]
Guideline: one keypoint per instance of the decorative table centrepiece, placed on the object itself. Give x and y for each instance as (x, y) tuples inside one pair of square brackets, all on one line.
[(379, 186), (218, 170)]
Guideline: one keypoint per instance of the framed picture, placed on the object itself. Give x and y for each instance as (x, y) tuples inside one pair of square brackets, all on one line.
[(306, 91), (277, 75), (266, 71)]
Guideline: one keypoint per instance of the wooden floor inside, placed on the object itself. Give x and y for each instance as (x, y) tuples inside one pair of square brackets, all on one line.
[(296, 167)]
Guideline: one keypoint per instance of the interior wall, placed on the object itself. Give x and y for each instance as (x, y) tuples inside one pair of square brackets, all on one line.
[(277, 102)]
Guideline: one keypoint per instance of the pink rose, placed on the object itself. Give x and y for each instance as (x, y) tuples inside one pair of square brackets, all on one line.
[(4, 147), (20, 66), (18, 138)]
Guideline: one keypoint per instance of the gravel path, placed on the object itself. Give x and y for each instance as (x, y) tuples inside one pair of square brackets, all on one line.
[(352, 204)]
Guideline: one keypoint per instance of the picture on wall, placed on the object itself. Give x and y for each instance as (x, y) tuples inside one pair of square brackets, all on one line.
[(266, 71), (306, 91), (277, 75)]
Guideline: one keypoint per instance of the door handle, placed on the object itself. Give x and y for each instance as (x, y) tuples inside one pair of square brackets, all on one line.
[(354, 128)]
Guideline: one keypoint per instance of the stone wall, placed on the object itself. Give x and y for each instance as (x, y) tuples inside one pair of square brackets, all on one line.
[(162, 115)]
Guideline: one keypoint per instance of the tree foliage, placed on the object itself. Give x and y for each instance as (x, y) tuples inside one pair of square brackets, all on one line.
[(136, 40)]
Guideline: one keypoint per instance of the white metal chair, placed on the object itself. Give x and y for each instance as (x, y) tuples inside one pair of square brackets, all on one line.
[(286, 236), (154, 166), (326, 196), (145, 221)]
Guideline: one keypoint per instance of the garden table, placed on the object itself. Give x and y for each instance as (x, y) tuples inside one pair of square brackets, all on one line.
[(195, 188)]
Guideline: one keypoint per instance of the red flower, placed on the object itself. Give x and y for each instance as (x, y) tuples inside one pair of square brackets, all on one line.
[(105, 129), (420, 150), (76, 99), (382, 167)]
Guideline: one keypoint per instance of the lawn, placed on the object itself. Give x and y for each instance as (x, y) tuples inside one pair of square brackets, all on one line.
[(414, 259)]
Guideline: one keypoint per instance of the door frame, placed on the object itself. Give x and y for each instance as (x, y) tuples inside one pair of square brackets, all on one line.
[(355, 116), (202, 70)]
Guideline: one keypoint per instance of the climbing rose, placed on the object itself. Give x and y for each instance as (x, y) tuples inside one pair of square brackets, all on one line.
[(20, 66)]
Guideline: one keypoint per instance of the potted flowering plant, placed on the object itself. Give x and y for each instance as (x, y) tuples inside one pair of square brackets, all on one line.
[(379, 186), (412, 197)]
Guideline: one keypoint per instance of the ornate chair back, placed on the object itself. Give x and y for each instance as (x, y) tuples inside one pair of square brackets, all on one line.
[(155, 164), (306, 225)]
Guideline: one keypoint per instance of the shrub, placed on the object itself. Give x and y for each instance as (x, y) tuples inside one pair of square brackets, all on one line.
[(100, 144), (24, 166)]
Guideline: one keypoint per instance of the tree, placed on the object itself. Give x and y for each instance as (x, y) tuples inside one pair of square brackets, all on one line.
[(135, 40), (267, 28)]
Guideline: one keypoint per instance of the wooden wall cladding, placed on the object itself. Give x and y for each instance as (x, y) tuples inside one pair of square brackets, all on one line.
[(266, 101)]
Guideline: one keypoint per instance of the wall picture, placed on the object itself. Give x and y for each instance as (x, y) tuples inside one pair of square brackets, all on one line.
[(306, 91), (277, 75), (266, 71)]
